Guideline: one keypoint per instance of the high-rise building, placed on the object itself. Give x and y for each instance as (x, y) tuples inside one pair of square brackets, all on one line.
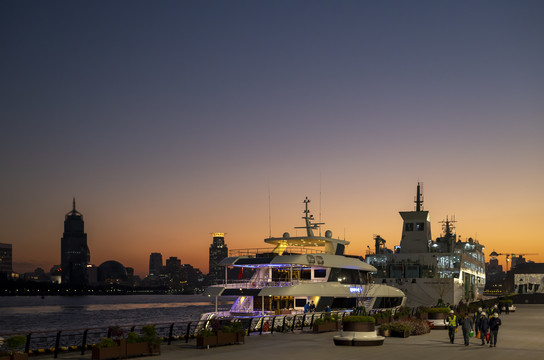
[(218, 251), (155, 264), (5, 260), (74, 252)]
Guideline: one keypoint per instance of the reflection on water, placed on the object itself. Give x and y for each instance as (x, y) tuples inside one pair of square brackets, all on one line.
[(21, 314)]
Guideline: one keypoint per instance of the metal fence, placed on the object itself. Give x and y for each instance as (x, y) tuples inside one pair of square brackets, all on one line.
[(56, 341)]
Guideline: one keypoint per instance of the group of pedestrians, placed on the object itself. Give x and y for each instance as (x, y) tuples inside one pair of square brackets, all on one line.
[(485, 324)]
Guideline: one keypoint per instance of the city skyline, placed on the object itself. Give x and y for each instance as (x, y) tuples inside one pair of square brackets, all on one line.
[(171, 121)]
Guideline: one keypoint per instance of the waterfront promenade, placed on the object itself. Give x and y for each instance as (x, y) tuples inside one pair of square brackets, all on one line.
[(521, 336)]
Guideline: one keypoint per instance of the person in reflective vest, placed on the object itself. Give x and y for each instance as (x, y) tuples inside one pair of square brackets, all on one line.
[(451, 322)]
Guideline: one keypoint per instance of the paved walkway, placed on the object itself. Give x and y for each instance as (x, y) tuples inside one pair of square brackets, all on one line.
[(521, 336)]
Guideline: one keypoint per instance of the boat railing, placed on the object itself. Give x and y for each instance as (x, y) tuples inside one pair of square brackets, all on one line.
[(255, 283), (264, 252)]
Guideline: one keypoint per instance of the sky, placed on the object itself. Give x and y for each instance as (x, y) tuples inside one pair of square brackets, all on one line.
[(171, 120)]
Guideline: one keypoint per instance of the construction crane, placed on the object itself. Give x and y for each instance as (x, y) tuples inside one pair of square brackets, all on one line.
[(509, 256)]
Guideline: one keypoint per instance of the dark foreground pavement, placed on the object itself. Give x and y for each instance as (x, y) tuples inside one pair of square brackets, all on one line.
[(521, 336)]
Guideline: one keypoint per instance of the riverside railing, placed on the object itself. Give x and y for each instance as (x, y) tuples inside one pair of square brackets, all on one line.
[(56, 341)]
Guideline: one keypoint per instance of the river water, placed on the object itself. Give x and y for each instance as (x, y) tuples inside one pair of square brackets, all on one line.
[(33, 313)]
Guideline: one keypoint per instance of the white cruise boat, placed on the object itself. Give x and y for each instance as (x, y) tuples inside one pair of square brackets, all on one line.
[(300, 270), (446, 270)]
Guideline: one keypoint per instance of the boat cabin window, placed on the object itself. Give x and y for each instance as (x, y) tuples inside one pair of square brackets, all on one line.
[(300, 302), (387, 302), (344, 303), (348, 276), (409, 227), (420, 226), (320, 273)]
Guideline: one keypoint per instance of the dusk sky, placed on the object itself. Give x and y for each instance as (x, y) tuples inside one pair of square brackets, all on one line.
[(170, 120)]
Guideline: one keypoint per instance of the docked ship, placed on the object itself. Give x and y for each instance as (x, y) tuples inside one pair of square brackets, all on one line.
[(430, 272), (300, 270)]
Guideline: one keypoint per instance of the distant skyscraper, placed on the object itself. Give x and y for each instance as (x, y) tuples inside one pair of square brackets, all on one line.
[(218, 251), (155, 264), (74, 252), (5, 260)]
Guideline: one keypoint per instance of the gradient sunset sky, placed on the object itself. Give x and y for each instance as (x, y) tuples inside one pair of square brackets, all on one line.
[(170, 120)]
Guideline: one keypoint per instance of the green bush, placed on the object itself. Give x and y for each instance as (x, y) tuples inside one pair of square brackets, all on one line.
[(226, 329), (149, 334), (106, 343), (206, 333), (237, 327), (132, 338), (14, 342), (359, 318), (439, 310)]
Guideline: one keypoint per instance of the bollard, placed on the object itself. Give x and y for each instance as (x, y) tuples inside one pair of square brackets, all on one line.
[(249, 327), (293, 324), (303, 320), (283, 325)]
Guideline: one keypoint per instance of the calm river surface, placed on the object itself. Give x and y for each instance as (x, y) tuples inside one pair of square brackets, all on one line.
[(33, 313)]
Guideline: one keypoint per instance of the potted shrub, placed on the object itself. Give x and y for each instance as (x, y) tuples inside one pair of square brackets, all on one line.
[(402, 314), (226, 335), (358, 323), (422, 312), (239, 330), (149, 335), (136, 345), (327, 323), (438, 313), (13, 343), (205, 338), (118, 335), (383, 317), (385, 329), (400, 329), (107, 348)]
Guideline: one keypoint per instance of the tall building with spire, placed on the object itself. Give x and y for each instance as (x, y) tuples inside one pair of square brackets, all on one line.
[(218, 251), (74, 252)]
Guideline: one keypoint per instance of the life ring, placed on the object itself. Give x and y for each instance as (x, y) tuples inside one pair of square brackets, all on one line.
[(266, 327), (253, 285)]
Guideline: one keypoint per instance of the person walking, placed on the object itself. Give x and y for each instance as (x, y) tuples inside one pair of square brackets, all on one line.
[(483, 326), (494, 324), (451, 322), (306, 307), (477, 317), (467, 325)]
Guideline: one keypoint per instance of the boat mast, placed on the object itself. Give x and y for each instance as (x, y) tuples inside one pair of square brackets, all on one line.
[(308, 219), (419, 198)]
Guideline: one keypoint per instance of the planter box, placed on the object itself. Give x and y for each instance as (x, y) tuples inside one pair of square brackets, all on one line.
[(137, 349), (383, 320), (107, 353), (422, 316), (327, 326), (359, 326), (18, 356), (385, 333), (240, 338), (154, 349), (206, 341), (437, 316), (225, 338), (402, 334)]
